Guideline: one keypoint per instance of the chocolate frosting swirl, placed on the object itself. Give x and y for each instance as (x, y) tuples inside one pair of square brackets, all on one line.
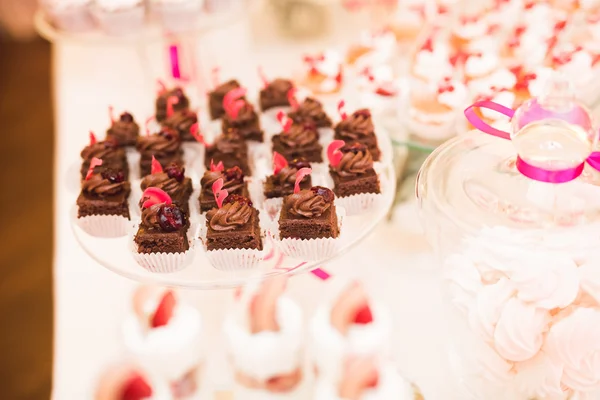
[(300, 135), (355, 163), (310, 110), (100, 186), (124, 131), (181, 120), (287, 176), (230, 143), (150, 217), (229, 217), (106, 150), (306, 203), (356, 126), (162, 181), (158, 144), (211, 177)]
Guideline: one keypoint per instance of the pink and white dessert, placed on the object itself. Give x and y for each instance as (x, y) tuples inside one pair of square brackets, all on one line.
[(434, 112), (580, 66), (165, 335), (348, 323), (480, 66), (120, 17), (125, 381), (432, 61), (377, 45), (468, 29), (379, 89), (265, 338), (365, 379), (69, 15), (408, 20), (324, 73)]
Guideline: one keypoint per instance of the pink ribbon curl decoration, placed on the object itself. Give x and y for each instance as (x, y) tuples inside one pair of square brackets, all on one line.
[(525, 168)]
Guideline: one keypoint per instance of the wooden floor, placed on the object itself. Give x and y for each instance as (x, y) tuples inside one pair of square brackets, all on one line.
[(26, 154)]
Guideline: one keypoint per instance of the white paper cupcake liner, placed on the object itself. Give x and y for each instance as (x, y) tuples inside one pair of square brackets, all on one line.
[(164, 262), (359, 203), (120, 22), (244, 393), (272, 206), (104, 226), (234, 259)]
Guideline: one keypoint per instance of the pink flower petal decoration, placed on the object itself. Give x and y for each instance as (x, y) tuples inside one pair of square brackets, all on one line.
[(235, 108), (286, 123), (165, 309), (220, 193), (147, 124), (291, 96), (171, 101), (279, 162), (154, 195), (214, 74), (333, 152), (302, 172), (195, 131), (136, 387), (156, 167), (341, 110), (162, 88), (263, 77), (92, 138), (96, 162), (217, 168), (111, 114), (232, 96)]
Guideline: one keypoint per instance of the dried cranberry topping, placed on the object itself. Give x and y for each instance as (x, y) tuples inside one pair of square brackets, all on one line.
[(354, 148), (126, 117), (325, 193), (232, 198), (113, 176), (234, 174), (299, 163), (363, 113), (309, 126), (167, 133), (170, 218), (176, 172)]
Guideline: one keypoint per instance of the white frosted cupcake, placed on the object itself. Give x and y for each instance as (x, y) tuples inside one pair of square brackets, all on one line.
[(365, 379), (503, 97), (433, 112), (265, 340), (468, 29), (479, 67), (69, 15), (432, 61), (408, 20), (324, 73), (500, 79), (379, 89), (177, 15), (348, 323), (120, 17), (125, 381), (165, 335), (379, 45)]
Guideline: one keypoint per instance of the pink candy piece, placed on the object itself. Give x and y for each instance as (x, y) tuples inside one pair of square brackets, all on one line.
[(220, 195), (232, 96), (92, 138), (279, 162), (217, 168), (291, 96), (96, 162), (302, 172), (162, 88), (154, 195), (136, 388), (235, 108), (341, 111), (263, 77), (286, 123), (165, 310), (147, 124), (333, 152), (171, 101), (195, 131), (156, 167)]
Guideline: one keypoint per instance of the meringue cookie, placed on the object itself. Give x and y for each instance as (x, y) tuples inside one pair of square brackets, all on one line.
[(539, 377), (589, 275), (485, 311), (463, 281)]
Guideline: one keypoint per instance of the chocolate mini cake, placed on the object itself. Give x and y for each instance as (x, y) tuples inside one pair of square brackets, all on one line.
[(215, 98), (162, 230), (358, 128), (354, 174), (233, 182), (301, 140), (182, 103), (173, 182), (109, 152), (230, 149), (182, 122), (275, 94), (309, 214), (104, 192), (233, 226), (124, 130), (311, 110), (165, 146), (246, 122), (282, 183)]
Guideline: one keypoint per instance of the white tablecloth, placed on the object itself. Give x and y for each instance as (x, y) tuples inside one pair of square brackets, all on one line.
[(91, 301)]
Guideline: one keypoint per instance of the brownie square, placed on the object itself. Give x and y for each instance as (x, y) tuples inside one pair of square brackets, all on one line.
[(312, 152), (183, 103), (215, 98), (229, 160), (207, 197), (274, 189), (163, 159), (349, 185), (245, 237), (246, 123), (150, 241), (275, 94), (110, 205), (311, 110), (324, 226), (368, 140)]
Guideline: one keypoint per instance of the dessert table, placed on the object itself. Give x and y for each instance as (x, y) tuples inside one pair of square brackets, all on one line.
[(395, 261)]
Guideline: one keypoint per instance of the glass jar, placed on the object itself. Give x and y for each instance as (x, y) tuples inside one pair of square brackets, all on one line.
[(520, 256)]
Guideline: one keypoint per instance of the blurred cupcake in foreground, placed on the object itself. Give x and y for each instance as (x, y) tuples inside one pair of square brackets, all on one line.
[(120, 17), (324, 74), (126, 381), (265, 337)]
